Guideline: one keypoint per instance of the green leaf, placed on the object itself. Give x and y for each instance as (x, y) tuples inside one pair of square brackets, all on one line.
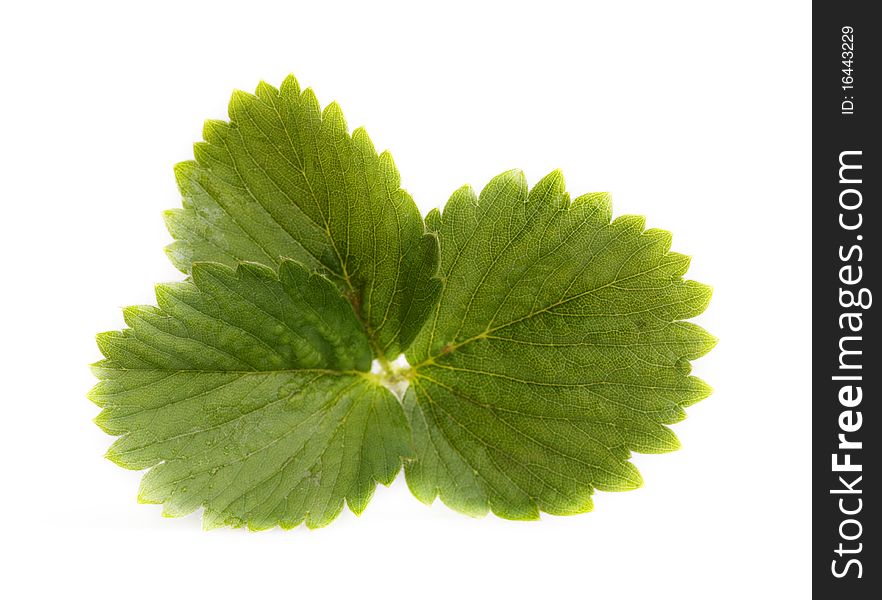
[(557, 347), (546, 341), (284, 179), (245, 392)]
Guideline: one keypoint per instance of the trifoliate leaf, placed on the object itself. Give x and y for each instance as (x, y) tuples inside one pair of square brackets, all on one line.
[(547, 340), (245, 392), (284, 179), (557, 347)]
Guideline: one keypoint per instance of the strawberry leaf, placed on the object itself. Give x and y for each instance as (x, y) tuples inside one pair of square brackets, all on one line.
[(284, 179), (246, 393), (545, 340), (557, 347)]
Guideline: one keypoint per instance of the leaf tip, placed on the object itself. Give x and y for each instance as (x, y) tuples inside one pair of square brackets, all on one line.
[(556, 177), (433, 221), (711, 342), (183, 171), (704, 388), (601, 202), (358, 504), (113, 455), (94, 396), (211, 520), (290, 85), (105, 340), (551, 189), (528, 512), (203, 269), (239, 101), (98, 369), (462, 197), (699, 390), (512, 178), (702, 298), (266, 91), (333, 116), (100, 420), (180, 255), (212, 131), (635, 479)]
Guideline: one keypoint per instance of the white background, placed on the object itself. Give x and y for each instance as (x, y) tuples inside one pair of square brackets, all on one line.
[(694, 114)]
